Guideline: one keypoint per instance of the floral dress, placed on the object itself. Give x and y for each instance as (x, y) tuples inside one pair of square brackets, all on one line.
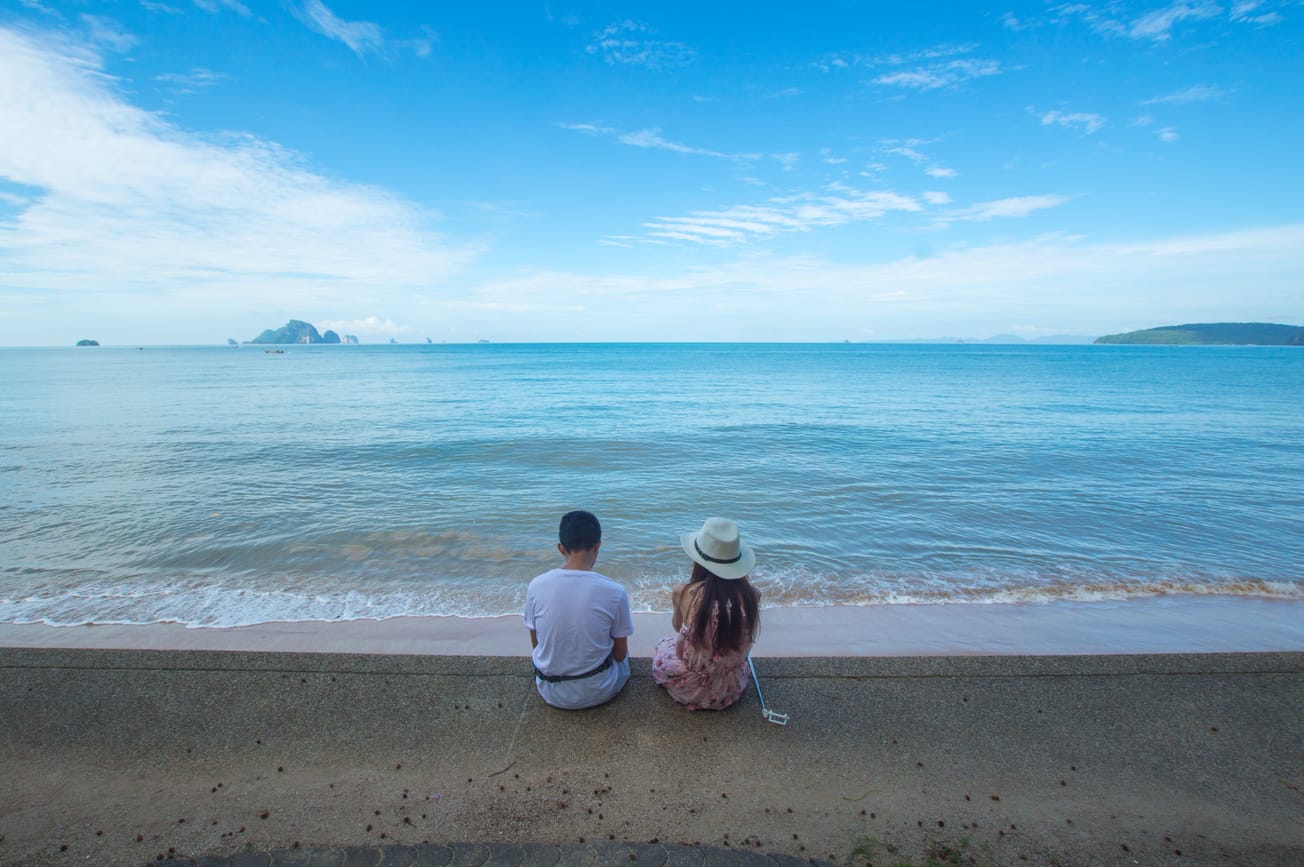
[(697, 677)]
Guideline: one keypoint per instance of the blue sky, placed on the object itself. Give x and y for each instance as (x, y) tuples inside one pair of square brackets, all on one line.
[(183, 171)]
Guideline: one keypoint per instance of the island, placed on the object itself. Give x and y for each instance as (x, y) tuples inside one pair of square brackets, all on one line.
[(1212, 334), (88, 342), (295, 331)]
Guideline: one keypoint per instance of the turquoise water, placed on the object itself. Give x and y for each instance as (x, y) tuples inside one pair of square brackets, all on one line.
[(224, 486)]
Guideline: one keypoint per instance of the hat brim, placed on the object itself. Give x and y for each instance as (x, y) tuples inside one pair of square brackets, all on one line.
[(729, 571)]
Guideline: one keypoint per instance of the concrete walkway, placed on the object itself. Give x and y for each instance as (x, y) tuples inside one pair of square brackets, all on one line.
[(126, 756), (509, 855)]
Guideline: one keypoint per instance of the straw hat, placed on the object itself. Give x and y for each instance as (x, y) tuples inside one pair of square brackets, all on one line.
[(717, 547)]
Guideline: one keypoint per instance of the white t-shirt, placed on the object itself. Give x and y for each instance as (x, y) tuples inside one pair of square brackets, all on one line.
[(575, 615)]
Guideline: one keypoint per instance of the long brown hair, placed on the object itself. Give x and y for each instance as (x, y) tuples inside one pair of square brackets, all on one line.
[(738, 605)]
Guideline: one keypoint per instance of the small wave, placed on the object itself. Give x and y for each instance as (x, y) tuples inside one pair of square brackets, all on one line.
[(1096, 592), (196, 604)]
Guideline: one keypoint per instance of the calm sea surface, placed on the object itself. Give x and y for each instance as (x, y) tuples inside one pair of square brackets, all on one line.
[(223, 486)]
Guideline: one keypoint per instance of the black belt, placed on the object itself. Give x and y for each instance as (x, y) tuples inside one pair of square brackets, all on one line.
[(558, 678)]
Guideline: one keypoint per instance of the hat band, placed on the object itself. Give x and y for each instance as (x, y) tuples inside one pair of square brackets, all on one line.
[(706, 556)]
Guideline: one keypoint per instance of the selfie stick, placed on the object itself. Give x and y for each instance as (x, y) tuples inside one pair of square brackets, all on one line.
[(779, 719)]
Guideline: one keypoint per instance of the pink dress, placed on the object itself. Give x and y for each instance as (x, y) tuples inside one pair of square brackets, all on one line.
[(698, 677)]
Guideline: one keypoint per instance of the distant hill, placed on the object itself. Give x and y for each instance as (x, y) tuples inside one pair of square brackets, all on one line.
[(88, 342), (296, 331), (1213, 334)]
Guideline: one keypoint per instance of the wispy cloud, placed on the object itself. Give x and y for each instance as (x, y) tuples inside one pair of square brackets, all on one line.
[(131, 204), (361, 37), (628, 43), (788, 161), (1168, 135), (799, 213), (1199, 93), (1158, 25), (939, 172), (966, 289), (154, 6), (215, 6), (651, 138), (1247, 12), (1017, 206), (938, 75), (926, 69), (195, 79), (108, 34), (1085, 121), (372, 327), (908, 148)]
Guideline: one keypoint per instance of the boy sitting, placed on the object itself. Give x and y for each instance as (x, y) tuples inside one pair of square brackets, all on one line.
[(579, 622)]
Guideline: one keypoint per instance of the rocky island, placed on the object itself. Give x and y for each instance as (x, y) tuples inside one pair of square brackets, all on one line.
[(1212, 334), (88, 342), (298, 331)]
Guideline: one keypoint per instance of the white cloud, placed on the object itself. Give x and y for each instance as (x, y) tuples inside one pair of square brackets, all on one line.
[(215, 6), (938, 75), (590, 128), (1199, 93), (908, 150), (651, 138), (360, 36), (153, 6), (928, 69), (936, 197), (1087, 122), (1168, 134), (624, 43), (127, 203), (784, 214), (1158, 25), (372, 327), (1074, 285), (108, 34), (1017, 206), (1244, 12), (788, 161), (939, 172), (1013, 23), (189, 82)]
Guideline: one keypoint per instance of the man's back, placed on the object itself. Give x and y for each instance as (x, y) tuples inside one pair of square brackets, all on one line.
[(576, 614), (579, 622)]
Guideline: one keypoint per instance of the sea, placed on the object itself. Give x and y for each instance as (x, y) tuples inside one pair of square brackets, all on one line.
[(228, 486)]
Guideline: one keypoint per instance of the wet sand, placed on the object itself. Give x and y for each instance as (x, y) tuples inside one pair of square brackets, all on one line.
[(1185, 624)]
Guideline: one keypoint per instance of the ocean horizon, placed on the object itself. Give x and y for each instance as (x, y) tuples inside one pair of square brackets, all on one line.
[(225, 486)]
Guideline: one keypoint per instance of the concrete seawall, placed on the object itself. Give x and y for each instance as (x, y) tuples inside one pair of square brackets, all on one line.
[(121, 756)]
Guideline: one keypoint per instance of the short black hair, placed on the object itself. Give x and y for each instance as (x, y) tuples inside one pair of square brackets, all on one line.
[(579, 531)]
